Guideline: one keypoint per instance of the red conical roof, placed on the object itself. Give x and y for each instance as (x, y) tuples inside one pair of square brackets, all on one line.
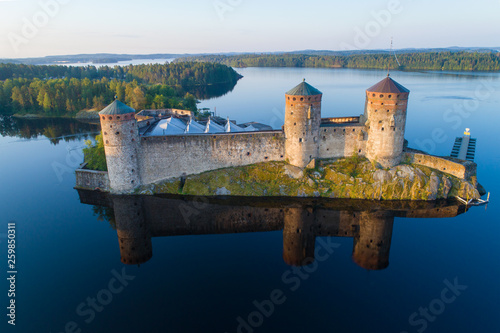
[(388, 85)]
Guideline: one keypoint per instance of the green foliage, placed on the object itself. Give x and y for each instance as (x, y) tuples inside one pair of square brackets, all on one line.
[(63, 91), (351, 165), (94, 155), (439, 61)]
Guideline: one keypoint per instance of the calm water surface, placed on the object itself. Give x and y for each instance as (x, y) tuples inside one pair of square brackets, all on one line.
[(215, 266)]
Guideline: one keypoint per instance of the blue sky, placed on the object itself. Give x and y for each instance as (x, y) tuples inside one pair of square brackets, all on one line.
[(28, 28)]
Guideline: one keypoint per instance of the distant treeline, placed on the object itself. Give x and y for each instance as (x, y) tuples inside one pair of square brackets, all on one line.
[(441, 61), (63, 91)]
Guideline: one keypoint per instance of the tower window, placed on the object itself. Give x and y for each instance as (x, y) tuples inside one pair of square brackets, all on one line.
[(288, 98), (381, 96), (300, 139), (291, 112), (381, 103), (387, 110), (117, 117), (309, 99), (294, 124), (301, 99), (117, 133), (354, 130), (248, 154), (382, 128), (294, 99), (397, 96), (107, 142), (105, 133), (389, 96), (394, 129), (359, 151), (375, 110), (110, 118), (335, 130), (373, 95)]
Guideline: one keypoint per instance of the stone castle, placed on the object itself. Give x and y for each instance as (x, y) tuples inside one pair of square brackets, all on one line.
[(147, 151)]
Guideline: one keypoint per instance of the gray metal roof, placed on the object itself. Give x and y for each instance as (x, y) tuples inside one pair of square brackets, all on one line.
[(388, 85), (304, 89), (115, 108)]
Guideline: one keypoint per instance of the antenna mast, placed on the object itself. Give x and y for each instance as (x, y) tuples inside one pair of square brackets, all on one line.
[(395, 56)]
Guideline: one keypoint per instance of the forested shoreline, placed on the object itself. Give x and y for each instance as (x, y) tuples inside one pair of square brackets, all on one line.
[(56, 91), (439, 61)]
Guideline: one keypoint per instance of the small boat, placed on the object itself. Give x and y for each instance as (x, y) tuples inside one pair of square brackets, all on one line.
[(474, 202)]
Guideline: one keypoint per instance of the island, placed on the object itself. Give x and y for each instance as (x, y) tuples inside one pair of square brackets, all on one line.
[(362, 157)]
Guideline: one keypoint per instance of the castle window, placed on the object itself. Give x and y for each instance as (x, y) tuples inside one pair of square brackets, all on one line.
[(324, 130), (133, 140), (324, 138), (387, 110), (335, 130), (294, 99), (266, 158), (309, 99), (354, 130), (396, 103), (248, 154), (397, 96), (300, 139), (381, 103), (389, 96), (382, 128), (288, 98), (291, 112), (301, 99), (133, 170), (281, 156), (132, 183), (394, 129), (107, 142), (343, 130), (373, 95), (381, 95), (380, 121), (291, 104), (110, 118), (105, 133), (117, 117), (359, 151), (117, 133), (110, 126), (375, 110), (315, 139), (294, 124)]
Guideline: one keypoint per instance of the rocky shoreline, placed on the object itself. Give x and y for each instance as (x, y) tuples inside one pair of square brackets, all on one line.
[(349, 178)]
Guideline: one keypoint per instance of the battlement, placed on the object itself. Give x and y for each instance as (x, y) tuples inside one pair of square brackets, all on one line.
[(339, 120)]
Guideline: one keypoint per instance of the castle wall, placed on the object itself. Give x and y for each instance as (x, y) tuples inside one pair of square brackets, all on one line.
[(166, 157), (91, 179), (341, 140), (462, 169)]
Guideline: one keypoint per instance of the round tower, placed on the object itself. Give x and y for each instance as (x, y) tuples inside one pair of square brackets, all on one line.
[(373, 242), (134, 235), (120, 135), (302, 121), (385, 115), (298, 237)]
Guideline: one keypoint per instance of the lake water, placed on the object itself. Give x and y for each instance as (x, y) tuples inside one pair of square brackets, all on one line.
[(228, 266)]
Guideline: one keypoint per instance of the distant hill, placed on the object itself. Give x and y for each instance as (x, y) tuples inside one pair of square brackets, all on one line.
[(111, 58)]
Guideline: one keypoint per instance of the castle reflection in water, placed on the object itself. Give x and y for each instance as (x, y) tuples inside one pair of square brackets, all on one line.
[(369, 223)]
